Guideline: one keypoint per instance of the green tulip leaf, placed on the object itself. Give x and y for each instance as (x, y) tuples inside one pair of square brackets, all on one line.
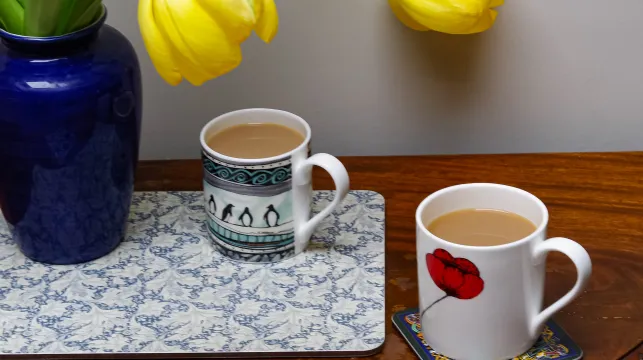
[(42, 16), (11, 16), (48, 17), (84, 13)]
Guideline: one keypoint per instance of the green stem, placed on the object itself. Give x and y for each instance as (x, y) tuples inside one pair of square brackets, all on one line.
[(430, 306)]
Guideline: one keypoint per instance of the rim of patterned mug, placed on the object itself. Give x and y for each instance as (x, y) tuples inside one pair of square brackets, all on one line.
[(240, 113)]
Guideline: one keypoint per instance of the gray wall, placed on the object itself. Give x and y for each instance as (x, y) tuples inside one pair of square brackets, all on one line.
[(550, 76)]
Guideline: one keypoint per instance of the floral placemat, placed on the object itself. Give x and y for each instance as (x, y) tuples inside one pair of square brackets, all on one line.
[(165, 289)]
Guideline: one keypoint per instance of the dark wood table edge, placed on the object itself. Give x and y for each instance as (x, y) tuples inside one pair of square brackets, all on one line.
[(636, 348)]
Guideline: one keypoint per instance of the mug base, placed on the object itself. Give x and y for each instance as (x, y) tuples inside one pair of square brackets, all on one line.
[(255, 258), (479, 353)]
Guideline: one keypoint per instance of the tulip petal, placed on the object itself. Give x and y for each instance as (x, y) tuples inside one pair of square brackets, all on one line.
[(404, 17), (485, 22), (496, 3), (237, 17), (451, 16), (180, 51), (158, 48), (267, 19), (202, 50)]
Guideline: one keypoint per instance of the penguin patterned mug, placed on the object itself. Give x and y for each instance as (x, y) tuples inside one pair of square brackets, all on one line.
[(259, 210)]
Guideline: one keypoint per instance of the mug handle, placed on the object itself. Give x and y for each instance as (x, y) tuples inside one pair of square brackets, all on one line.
[(583, 264), (301, 178)]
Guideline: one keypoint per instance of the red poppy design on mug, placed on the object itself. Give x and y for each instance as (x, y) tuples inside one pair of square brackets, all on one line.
[(457, 277)]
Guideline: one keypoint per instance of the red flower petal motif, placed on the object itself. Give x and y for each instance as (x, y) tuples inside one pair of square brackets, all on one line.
[(443, 255), (457, 277), (453, 278), (472, 286), (467, 266), (436, 269)]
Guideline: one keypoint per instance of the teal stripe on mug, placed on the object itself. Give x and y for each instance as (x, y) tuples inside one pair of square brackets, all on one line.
[(269, 240), (279, 241), (257, 177)]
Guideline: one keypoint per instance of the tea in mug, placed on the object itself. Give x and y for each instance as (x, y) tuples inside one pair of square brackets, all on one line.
[(481, 227)]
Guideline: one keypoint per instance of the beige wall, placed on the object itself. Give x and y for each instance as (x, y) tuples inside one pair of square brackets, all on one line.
[(551, 76)]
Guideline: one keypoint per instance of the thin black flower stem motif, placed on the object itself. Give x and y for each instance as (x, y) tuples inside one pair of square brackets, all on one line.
[(430, 306)]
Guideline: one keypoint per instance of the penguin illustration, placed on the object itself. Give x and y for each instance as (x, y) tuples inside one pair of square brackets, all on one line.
[(227, 212), (246, 218), (212, 206), (271, 216)]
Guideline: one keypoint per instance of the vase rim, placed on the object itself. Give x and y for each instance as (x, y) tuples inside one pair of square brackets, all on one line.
[(78, 34)]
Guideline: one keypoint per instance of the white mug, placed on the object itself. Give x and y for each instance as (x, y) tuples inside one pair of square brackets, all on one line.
[(485, 302), (258, 210)]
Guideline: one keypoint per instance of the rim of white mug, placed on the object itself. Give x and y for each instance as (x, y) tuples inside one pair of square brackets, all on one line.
[(541, 227), (245, 161)]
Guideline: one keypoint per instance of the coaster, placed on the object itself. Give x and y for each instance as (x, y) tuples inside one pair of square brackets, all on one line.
[(554, 343), (166, 290)]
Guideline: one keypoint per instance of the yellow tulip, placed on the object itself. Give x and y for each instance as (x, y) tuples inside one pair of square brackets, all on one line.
[(447, 16), (200, 40)]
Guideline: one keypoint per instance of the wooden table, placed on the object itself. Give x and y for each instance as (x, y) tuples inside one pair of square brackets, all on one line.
[(595, 199)]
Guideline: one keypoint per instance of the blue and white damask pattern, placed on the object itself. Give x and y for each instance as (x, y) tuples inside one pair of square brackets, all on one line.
[(165, 289)]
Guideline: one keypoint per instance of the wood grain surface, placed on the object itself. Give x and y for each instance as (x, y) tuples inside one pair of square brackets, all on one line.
[(594, 198)]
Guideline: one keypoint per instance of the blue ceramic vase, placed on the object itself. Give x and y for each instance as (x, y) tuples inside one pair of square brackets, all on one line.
[(70, 117)]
